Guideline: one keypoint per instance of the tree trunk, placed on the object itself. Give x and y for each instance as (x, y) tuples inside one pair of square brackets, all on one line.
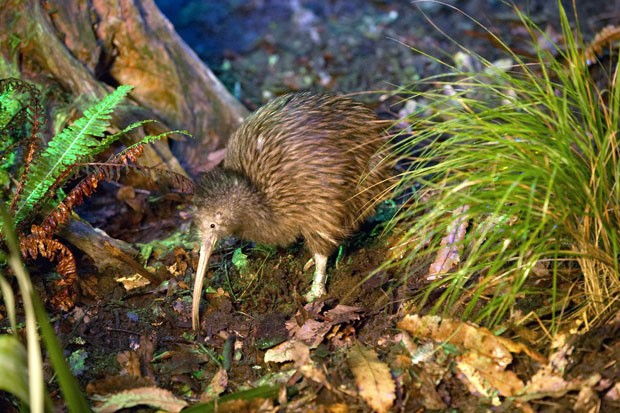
[(76, 51), (86, 47)]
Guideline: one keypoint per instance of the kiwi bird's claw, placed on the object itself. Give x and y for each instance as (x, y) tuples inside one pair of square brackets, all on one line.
[(316, 291)]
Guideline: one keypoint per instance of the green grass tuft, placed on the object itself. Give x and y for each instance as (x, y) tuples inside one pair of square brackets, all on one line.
[(532, 152)]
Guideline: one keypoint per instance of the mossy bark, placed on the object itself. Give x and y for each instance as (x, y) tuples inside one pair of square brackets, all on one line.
[(76, 51), (86, 47)]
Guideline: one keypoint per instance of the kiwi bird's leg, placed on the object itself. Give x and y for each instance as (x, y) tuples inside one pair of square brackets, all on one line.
[(318, 281), (205, 251)]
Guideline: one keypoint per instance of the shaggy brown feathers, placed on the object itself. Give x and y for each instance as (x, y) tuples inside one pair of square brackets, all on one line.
[(303, 165)]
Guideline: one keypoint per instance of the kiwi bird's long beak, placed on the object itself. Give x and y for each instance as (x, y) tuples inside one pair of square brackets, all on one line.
[(205, 252)]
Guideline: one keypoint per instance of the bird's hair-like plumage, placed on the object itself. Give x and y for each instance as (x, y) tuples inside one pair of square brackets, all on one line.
[(303, 165)]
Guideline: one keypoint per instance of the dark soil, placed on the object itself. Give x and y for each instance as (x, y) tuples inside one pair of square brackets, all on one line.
[(262, 48)]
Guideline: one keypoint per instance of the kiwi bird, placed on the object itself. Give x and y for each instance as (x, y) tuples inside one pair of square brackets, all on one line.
[(302, 166)]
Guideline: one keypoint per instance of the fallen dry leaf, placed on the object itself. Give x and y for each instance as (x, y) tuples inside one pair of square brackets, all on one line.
[(448, 255), (343, 314), (481, 366), (431, 398), (218, 384), (614, 393), (299, 353), (132, 282), (129, 362), (485, 378), (543, 385), (337, 408), (313, 331), (148, 396), (312, 372), (587, 401), (468, 336), (291, 350), (373, 378), (115, 384), (549, 379)]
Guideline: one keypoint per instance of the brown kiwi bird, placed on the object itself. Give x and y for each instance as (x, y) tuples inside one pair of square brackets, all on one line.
[(304, 165)]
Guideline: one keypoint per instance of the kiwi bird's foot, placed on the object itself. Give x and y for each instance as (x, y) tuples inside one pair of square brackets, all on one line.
[(318, 281), (316, 291)]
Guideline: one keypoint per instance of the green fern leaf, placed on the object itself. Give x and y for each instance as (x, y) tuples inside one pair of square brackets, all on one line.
[(110, 139), (152, 138), (74, 144), (9, 104)]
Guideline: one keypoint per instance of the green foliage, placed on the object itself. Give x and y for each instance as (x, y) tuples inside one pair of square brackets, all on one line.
[(20, 118), (14, 368), (44, 172), (165, 245), (10, 105), (528, 157), (240, 260), (34, 393), (77, 361), (75, 144)]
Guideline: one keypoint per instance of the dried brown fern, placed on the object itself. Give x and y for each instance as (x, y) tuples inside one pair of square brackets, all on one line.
[(23, 120), (86, 188), (31, 116), (604, 38), (40, 242), (108, 171), (35, 245)]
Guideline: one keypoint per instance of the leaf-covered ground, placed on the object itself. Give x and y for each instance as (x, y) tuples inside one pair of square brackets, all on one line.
[(363, 348)]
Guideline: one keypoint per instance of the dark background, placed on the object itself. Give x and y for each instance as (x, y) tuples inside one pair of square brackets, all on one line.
[(262, 48)]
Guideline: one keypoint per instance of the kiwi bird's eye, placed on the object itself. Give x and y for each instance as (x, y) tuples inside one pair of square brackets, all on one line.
[(212, 225)]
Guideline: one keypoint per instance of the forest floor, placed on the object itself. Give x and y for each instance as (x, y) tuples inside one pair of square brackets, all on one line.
[(123, 336)]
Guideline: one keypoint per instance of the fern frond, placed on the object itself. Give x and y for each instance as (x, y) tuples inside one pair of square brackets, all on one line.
[(21, 119), (33, 116), (74, 144), (109, 140), (110, 171), (152, 138), (8, 105)]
